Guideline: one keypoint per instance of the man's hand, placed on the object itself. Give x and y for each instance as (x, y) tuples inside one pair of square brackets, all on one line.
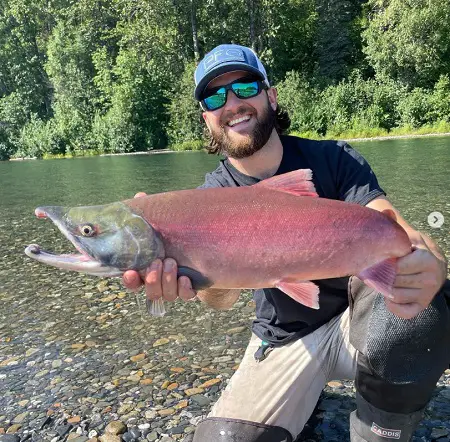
[(160, 279), (420, 274)]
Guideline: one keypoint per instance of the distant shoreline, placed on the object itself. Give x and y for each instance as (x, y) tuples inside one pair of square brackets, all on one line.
[(159, 151), (394, 137)]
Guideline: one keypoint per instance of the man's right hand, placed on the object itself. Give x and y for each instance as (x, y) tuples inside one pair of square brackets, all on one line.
[(160, 279)]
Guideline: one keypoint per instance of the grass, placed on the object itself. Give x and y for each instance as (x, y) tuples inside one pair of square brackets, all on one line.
[(368, 133)]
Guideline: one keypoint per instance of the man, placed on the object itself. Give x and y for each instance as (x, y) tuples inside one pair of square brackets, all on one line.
[(395, 349)]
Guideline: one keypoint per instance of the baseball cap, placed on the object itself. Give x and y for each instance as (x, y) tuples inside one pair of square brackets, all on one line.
[(226, 58)]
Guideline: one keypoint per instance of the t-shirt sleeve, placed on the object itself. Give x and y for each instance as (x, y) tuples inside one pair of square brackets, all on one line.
[(211, 181), (356, 181)]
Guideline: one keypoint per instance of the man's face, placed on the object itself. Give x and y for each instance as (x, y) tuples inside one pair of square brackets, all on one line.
[(242, 126)]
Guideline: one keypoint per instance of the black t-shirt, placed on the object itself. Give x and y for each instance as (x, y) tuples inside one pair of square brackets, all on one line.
[(339, 172)]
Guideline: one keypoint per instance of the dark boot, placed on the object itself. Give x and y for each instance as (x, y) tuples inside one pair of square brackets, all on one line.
[(370, 424), (215, 429)]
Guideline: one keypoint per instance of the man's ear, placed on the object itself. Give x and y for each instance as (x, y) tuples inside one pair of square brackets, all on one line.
[(272, 94)]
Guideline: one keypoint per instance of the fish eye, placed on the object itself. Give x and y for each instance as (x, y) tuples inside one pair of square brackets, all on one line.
[(87, 230)]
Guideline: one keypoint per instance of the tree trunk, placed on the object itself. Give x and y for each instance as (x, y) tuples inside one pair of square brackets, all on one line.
[(194, 31)]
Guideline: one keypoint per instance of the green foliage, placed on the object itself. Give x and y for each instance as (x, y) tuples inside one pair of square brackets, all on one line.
[(409, 40), (185, 123), (109, 76)]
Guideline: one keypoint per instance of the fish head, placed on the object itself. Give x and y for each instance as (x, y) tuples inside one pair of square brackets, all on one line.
[(110, 238)]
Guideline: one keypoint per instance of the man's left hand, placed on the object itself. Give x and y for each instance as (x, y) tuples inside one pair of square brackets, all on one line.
[(420, 275)]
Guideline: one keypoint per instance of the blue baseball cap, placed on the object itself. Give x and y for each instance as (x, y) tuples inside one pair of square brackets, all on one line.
[(227, 58)]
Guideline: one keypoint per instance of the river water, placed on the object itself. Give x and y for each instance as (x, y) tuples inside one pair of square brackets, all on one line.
[(65, 326)]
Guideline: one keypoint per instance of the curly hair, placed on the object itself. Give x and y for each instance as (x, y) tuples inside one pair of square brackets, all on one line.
[(282, 124)]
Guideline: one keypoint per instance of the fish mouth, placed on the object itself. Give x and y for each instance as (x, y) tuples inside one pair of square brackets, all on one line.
[(80, 262)]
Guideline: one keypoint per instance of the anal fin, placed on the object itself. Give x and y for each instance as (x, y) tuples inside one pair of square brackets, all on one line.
[(381, 276), (304, 292)]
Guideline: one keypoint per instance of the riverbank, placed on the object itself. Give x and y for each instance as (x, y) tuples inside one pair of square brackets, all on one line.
[(196, 146), (101, 370)]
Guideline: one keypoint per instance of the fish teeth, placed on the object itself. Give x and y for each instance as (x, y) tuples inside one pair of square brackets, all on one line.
[(238, 120)]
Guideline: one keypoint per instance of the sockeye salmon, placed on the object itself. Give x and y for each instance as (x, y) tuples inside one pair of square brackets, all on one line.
[(276, 233)]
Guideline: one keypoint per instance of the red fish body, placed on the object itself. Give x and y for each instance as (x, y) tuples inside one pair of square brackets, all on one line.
[(276, 233), (264, 236)]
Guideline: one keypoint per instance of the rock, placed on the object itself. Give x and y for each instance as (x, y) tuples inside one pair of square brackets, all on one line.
[(128, 437), (236, 330), (200, 400), (74, 437), (220, 359), (192, 391), (74, 420), (116, 427), (210, 383), (151, 437), (436, 433), (14, 428), (139, 357), (9, 438), (166, 412), (177, 369), (78, 346), (335, 384), (108, 437), (20, 417), (56, 363), (161, 341), (31, 352), (182, 404), (23, 403), (146, 381), (150, 414), (62, 430), (172, 386)]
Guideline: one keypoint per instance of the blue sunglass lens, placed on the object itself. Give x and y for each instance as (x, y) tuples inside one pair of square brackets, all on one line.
[(216, 100), (246, 90), (241, 90)]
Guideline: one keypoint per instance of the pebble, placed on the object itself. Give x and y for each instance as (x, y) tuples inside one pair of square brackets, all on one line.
[(80, 366), (116, 427)]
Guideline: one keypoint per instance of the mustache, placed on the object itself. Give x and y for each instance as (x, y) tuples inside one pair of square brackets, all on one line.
[(241, 111)]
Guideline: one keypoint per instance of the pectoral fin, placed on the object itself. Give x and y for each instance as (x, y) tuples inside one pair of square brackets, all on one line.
[(381, 276), (304, 292)]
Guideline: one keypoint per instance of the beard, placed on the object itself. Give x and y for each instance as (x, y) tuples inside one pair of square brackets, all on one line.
[(250, 143)]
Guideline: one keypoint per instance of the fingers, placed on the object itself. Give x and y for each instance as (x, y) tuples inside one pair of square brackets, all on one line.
[(405, 311), (132, 280), (161, 281), (185, 291), (139, 194), (415, 262), (153, 283), (169, 280)]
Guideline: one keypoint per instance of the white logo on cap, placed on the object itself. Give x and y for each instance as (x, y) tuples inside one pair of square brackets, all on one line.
[(221, 56)]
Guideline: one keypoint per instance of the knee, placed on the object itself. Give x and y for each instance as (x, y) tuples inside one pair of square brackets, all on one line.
[(401, 360), (236, 430)]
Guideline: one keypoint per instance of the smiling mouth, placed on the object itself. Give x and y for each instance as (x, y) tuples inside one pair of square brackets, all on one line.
[(239, 120)]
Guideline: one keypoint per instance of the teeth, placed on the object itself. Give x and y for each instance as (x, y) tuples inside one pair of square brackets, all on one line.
[(238, 120)]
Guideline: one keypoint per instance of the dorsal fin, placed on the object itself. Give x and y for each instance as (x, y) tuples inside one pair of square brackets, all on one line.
[(297, 182)]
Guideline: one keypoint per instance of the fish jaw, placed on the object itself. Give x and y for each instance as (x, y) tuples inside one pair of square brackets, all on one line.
[(78, 262)]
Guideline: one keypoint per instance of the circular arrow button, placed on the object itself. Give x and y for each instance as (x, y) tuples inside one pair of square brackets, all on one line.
[(436, 220)]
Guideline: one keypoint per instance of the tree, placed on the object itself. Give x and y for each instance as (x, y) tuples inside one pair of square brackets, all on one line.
[(409, 40)]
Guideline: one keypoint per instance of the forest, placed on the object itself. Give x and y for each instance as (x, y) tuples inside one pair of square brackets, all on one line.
[(81, 77)]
